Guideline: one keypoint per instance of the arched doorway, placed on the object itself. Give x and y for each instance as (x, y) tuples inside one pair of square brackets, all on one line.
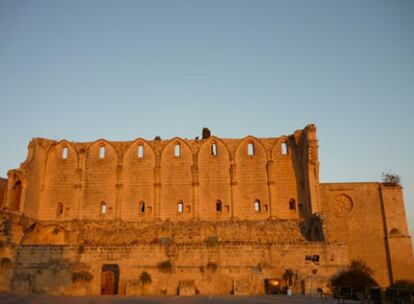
[(16, 195), (109, 279)]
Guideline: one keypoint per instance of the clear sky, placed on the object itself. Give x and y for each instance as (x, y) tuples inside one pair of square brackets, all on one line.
[(83, 70)]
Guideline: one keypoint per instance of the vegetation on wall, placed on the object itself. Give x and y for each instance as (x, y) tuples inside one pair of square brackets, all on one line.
[(81, 276), (211, 241), (165, 266), (145, 278), (391, 179)]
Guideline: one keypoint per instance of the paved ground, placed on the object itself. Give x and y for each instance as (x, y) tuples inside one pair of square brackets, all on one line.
[(282, 299)]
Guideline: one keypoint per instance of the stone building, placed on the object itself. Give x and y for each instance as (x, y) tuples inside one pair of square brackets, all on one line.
[(203, 216)]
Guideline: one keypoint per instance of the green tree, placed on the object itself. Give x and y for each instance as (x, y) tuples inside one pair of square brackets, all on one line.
[(358, 276)]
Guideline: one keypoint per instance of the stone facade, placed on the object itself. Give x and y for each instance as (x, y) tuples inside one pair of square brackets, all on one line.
[(209, 216)]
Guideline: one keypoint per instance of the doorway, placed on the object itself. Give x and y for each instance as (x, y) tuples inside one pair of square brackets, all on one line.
[(109, 279)]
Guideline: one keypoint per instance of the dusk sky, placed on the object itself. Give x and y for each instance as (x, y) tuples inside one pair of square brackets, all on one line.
[(84, 70)]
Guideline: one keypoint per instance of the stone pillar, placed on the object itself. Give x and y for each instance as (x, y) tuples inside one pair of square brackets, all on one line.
[(196, 186), (157, 189), (271, 188), (233, 184)]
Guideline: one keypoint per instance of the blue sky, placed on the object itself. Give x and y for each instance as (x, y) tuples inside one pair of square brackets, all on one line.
[(83, 70)]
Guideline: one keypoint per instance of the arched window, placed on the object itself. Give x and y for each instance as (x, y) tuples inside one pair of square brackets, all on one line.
[(142, 207), (180, 207), (102, 152), (219, 206), (59, 209), (65, 153), (292, 204), (213, 149), (177, 150), (250, 149), (103, 208), (284, 149), (140, 151), (257, 206)]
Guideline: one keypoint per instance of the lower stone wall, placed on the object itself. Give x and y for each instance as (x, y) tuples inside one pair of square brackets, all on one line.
[(354, 215), (220, 269)]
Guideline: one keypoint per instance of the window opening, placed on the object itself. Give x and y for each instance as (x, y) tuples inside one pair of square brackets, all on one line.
[(257, 207), (214, 149), (142, 207), (284, 149), (140, 151), (180, 207), (292, 204), (103, 208), (177, 150), (102, 152), (60, 209), (65, 153), (218, 206), (250, 149)]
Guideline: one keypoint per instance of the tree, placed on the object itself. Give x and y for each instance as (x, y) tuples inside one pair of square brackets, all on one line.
[(357, 276), (391, 179), (360, 265), (206, 133), (403, 284)]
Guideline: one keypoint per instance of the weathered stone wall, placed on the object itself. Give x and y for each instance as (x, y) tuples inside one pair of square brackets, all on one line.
[(362, 215), (66, 180), (214, 270), (73, 207), (397, 238), (138, 179), (214, 181), (3, 189), (207, 257)]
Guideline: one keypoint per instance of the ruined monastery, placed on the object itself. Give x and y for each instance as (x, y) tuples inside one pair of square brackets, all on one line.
[(203, 216)]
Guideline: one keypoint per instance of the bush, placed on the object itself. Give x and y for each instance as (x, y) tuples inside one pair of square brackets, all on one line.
[(81, 276), (358, 276), (206, 133), (145, 278), (212, 266), (212, 241), (403, 284), (391, 179), (165, 266)]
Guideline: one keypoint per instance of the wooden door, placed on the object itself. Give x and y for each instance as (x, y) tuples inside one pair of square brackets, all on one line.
[(108, 282)]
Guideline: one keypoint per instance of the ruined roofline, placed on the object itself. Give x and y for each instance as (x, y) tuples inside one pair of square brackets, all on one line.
[(309, 127), (363, 183)]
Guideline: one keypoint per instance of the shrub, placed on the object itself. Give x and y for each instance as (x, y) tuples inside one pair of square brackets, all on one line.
[(145, 278), (403, 284), (206, 133), (391, 179), (165, 266), (212, 266), (81, 276), (211, 241), (357, 276)]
